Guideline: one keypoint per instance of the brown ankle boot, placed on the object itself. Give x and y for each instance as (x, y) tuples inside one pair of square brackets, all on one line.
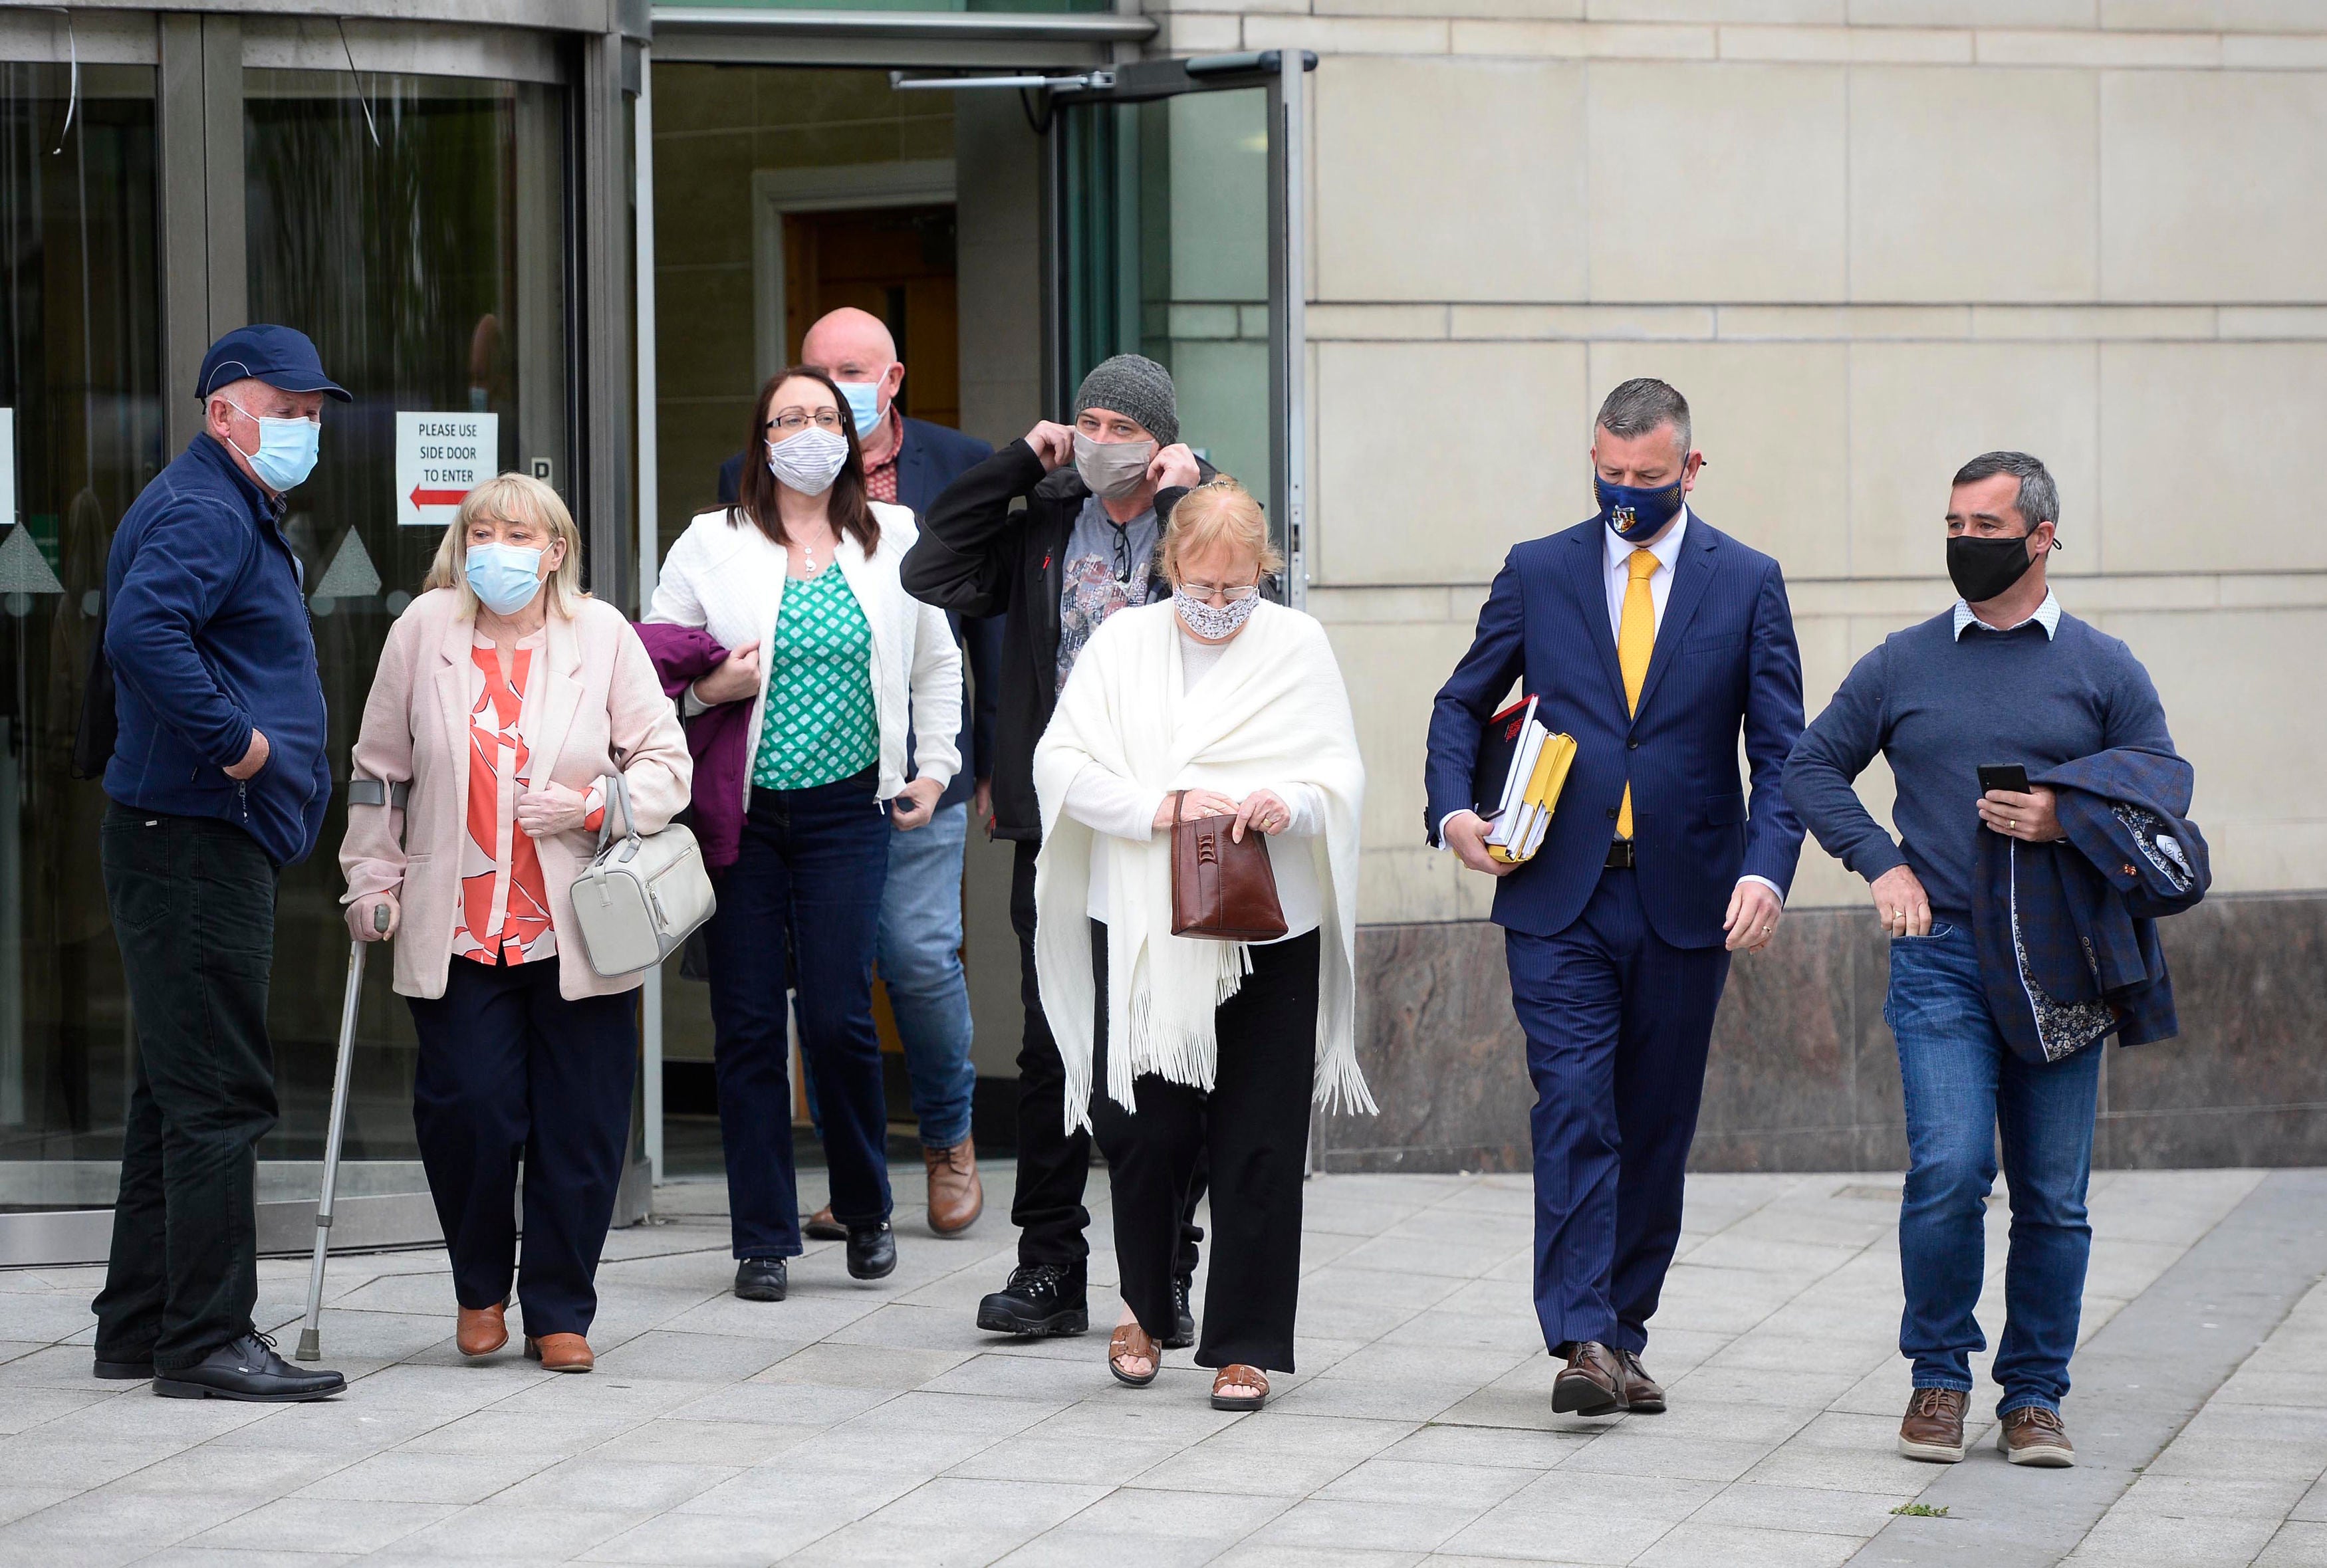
[(482, 1329), (560, 1352), (957, 1197)]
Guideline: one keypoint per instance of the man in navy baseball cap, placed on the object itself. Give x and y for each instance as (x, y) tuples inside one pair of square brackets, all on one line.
[(219, 779)]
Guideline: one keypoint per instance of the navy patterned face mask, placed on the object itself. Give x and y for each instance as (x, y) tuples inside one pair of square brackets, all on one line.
[(1634, 513)]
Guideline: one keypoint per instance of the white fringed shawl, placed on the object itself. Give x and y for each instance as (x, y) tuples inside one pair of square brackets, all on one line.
[(1272, 712)]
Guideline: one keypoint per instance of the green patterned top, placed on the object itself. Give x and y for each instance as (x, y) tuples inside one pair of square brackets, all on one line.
[(820, 723)]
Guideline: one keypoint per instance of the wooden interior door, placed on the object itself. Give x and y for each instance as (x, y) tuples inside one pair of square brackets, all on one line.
[(897, 263)]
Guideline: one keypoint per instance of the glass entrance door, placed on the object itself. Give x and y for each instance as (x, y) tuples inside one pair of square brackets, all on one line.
[(80, 432), (413, 226), (1175, 201)]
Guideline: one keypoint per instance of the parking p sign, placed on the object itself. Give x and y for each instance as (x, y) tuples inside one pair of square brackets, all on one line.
[(439, 459)]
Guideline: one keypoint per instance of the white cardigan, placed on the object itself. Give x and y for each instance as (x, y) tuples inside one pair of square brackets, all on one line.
[(728, 579)]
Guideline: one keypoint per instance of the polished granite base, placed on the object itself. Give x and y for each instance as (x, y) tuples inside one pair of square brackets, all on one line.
[(1804, 1074)]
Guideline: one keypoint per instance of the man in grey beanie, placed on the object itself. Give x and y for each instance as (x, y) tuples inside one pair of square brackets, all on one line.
[(1097, 495)]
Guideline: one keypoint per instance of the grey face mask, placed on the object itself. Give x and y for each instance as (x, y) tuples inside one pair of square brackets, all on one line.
[(1113, 469)]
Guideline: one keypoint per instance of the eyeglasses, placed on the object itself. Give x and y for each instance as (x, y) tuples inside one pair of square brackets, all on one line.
[(792, 421), (1222, 594)]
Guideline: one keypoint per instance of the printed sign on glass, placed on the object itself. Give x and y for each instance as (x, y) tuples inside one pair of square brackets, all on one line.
[(439, 459)]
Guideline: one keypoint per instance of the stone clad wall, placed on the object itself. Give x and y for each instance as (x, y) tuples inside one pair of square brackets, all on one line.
[(1868, 238)]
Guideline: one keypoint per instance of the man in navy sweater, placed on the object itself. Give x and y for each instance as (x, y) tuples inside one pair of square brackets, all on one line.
[(219, 780), (2003, 677)]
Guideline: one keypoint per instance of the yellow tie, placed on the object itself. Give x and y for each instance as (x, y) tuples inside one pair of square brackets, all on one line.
[(1636, 638)]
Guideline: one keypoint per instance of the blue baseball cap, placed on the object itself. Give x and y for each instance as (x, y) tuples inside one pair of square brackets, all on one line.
[(283, 357)]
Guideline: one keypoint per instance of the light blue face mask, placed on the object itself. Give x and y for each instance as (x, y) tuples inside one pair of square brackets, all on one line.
[(286, 451), (503, 577), (864, 403)]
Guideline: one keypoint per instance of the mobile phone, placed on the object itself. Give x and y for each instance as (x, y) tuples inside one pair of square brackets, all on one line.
[(2011, 776)]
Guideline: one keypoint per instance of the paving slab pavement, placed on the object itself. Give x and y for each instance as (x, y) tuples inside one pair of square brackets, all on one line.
[(872, 1424)]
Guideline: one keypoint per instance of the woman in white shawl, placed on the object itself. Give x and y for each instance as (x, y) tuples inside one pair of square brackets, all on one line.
[(1233, 707)]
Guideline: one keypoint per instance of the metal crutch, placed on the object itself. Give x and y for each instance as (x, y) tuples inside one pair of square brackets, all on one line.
[(311, 1344)]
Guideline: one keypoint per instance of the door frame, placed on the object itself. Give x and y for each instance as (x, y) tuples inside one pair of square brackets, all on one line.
[(828, 188)]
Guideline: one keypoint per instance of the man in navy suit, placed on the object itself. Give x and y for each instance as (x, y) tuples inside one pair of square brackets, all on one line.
[(910, 462), (1654, 641)]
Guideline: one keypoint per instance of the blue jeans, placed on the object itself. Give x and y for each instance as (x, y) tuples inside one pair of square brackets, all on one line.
[(921, 966), (809, 871), (1964, 1087)]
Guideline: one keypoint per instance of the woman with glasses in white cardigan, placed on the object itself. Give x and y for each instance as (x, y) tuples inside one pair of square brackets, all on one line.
[(798, 582), (1215, 703)]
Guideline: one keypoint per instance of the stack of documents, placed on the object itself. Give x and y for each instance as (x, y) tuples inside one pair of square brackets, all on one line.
[(1522, 767)]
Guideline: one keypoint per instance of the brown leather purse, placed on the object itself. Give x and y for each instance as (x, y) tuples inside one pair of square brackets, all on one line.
[(1222, 890)]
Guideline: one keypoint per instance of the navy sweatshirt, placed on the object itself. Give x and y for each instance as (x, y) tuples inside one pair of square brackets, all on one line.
[(207, 631), (1937, 707)]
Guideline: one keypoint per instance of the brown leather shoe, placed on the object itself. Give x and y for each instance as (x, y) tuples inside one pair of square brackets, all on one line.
[(1592, 1383), (1642, 1395), (822, 1227), (482, 1329), (560, 1352), (957, 1197), (1934, 1427), (2032, 1434)]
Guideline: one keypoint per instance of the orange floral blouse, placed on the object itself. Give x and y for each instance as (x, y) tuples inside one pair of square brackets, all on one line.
[(504, 914)]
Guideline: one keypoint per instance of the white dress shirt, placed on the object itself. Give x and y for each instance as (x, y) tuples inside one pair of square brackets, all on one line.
[(2048, 616), (1617, 574)]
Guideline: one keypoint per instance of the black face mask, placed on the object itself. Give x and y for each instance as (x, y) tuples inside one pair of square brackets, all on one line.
[(1983, 568)]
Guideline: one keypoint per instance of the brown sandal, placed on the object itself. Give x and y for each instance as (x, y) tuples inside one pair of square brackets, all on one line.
[(1240, 1375), (1131, 1340)]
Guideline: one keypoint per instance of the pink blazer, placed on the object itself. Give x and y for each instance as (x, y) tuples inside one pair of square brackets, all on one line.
[(600, 706)]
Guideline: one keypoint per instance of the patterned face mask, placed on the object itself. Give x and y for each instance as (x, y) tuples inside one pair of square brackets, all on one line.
[(1214, 622)]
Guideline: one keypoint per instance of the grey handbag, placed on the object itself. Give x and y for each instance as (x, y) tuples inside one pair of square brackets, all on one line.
[(641, 896)]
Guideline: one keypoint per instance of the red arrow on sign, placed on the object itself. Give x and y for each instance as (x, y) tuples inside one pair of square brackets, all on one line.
[(429, 497)]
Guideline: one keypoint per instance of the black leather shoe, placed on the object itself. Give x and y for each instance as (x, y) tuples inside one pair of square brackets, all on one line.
[(122, 1371), (247, 1369), (761, 1279), (1040, 1301), (872, 1251), (1183, 1321)]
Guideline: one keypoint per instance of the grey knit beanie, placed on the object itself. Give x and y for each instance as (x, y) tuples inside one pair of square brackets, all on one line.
[(1136, 386)]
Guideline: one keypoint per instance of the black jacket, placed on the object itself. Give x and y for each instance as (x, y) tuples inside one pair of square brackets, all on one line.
[(976, 556), (930, 458)]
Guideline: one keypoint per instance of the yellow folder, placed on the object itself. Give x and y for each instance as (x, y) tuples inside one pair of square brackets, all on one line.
[(1541, 799)]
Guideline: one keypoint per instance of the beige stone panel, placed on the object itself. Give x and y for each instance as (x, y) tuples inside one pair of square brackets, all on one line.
[(1931, 148), (1863, 45), (1584, 40), (1327, 322), (1920, 411), (1763, 146), (2099, 51), (1773, 422), (1383, 508), (1530, 10), (1796, 12), (1197, 32), (2193, 433), (1851, 323), (2259, 857), (2272, 322), (2087, 323), (1347, 35), (2215, 186), (2211, 16), (1399, 217), (2283, 52), (1404, 884), (1974, 12), (1686, 323), (2256, 753)]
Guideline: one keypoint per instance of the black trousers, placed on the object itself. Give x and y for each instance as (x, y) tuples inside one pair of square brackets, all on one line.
[(509, 1069), (1255, 1126), (1052, 1162), (193, 900)]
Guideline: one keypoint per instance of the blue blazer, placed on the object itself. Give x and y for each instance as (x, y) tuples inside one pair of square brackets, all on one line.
[(1725, 662), (932, 458)]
